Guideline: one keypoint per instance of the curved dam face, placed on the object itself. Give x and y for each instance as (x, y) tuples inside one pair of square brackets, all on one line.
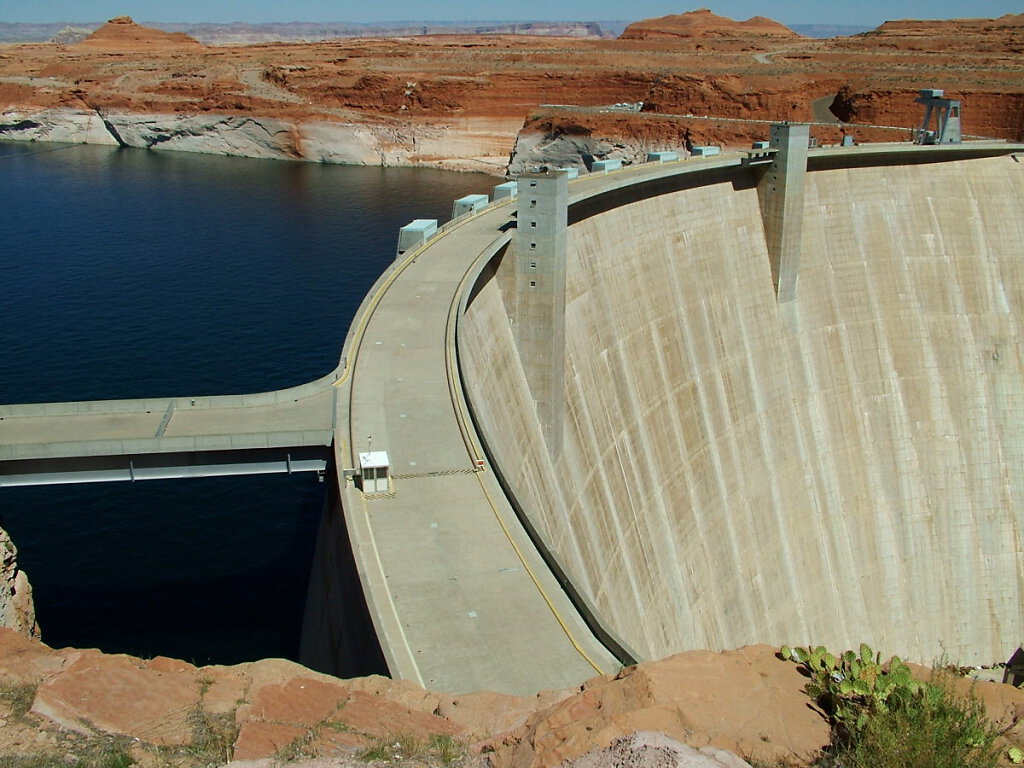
[(844, 467)]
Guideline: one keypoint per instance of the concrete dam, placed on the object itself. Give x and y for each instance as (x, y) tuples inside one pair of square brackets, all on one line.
[(845, 466), (766, 397)]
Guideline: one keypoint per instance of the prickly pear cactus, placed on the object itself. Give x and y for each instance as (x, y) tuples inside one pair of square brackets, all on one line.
[(854, 685)]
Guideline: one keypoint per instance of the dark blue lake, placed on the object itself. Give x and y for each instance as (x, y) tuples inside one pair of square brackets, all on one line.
[(127, 273)]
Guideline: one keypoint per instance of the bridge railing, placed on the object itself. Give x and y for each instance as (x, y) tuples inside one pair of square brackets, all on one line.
[(160, 404)]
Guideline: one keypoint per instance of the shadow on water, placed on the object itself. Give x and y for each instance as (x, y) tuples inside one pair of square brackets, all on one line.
[(212, 570)]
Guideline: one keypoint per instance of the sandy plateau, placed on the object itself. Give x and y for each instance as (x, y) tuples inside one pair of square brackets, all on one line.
[(460, 102)]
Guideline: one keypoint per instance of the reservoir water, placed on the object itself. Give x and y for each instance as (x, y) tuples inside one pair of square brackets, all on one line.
[(126, 273)]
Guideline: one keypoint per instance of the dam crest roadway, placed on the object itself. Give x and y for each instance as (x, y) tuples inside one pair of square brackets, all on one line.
[(468, 585)]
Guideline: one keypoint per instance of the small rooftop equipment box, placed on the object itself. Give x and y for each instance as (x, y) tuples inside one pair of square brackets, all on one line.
[(572, 173), (706, 151), (415, 233), (662, 157), (508, 189), (603, 166), (469, 204)]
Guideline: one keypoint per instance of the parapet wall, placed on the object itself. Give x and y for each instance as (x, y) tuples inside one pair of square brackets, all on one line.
[(844, 467)]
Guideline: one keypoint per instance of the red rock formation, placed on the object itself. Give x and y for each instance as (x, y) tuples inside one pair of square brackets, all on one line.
[(17, 610), (1002, 35), (747, 702), (123, 34), (704, 24), (453, 101)]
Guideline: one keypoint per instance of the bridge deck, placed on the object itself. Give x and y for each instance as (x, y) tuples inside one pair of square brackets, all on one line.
[(166, 437), (462, 600)]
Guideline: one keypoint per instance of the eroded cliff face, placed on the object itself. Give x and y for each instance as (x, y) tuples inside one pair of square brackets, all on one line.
[(460, 102), (17, 611), (471, 148)]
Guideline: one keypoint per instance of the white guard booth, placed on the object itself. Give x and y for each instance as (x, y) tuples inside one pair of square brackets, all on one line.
[(374, 467)]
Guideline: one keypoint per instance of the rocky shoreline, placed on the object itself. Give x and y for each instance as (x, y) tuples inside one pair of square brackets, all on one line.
[(350, 143), (17, 609)]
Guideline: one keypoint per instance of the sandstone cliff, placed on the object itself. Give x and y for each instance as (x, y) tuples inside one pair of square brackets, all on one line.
[(460, 102), (17, 611), (1002, 35)]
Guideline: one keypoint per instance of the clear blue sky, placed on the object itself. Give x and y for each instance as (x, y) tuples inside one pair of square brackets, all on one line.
[(864, 12)]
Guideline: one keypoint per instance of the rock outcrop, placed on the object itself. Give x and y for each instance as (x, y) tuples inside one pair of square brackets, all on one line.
[(703, 23), (645, 749), (746, 702), (17, 611), (709, 708), (459, 101), (123, 34)]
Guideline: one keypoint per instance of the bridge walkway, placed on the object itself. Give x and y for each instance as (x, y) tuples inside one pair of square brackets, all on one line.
[(461, 599), (43, 443)]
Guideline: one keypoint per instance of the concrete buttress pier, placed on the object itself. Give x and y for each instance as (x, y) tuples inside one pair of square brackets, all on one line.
[(543, 203), (781, 195)]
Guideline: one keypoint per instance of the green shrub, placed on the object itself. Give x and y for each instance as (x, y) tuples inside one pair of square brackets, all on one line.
[(882, 717), (934, 729)]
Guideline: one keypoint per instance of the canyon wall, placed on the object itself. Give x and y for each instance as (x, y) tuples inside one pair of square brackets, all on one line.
[(459, 101), (845, 467)]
